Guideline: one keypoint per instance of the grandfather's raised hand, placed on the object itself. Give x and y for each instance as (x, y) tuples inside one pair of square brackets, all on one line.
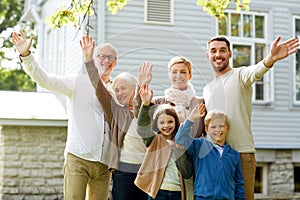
[(144, 74), (21, 43), (87, 46)]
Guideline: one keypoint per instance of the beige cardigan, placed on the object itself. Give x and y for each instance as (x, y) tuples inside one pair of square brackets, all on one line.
[(151, 173)]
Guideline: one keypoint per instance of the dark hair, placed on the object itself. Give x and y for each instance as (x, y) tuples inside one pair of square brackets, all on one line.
[(168, 110), (219, 38)]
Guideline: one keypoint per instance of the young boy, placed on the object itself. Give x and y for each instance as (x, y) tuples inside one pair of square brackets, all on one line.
[(218, 173)]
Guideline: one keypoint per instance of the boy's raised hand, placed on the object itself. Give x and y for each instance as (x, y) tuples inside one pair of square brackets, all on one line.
[(146, 94), (87, 47), (21, 43), (198, 112)]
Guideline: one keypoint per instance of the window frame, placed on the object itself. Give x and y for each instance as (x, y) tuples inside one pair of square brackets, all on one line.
[(268, 83), (298, 166), (295, 101), (265, 171)]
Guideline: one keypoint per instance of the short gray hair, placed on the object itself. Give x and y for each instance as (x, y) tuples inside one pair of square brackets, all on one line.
[(126, 76), (100, 46)]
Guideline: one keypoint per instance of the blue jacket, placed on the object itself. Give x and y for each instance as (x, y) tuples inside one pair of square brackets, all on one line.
[(215, 177)]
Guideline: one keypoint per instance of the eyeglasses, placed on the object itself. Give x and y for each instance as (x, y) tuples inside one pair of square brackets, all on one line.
[(103, 57)]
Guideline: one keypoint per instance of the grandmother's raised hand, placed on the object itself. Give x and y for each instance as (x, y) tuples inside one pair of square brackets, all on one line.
[(144, 74)]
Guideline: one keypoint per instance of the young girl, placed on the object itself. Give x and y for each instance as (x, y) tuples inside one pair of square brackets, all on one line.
[(165, 164)]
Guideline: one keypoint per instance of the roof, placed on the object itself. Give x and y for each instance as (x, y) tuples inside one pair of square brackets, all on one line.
[(32, 106)]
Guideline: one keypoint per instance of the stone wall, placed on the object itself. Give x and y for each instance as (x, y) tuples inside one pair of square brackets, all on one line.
[(31, 165), (280, 176), (31, 162)]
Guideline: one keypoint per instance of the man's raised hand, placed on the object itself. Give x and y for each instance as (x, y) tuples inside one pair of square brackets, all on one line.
[(87, 47), (21, 43)]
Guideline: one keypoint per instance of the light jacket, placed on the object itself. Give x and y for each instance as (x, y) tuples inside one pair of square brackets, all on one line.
[(215, 177)]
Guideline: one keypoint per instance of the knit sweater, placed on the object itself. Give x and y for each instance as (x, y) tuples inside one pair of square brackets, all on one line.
[(232, 94), (87, 137)]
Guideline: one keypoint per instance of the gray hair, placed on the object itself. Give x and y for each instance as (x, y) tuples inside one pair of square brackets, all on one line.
[(125, 76), (109, 45)]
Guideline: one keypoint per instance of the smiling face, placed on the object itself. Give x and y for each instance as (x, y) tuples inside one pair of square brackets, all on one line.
[(124, 92), (106, 59), (179, 75), (218, 55), (166, 125), (217, 130)]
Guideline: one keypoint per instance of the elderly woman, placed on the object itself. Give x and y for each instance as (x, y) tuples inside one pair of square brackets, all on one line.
[(127, 147)]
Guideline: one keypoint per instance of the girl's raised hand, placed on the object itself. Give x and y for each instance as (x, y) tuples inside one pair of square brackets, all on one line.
[(146, 94)]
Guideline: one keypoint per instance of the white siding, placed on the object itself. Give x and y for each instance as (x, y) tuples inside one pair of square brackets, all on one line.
[(276, 125), (138, 41)]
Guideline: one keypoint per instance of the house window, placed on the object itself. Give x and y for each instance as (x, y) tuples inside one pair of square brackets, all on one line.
[(297, 178), (247, 34), (159, 11), (261, 179), (297, 63)]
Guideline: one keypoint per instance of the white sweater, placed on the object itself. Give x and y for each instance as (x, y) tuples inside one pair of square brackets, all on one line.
[(232, 94), (87, 137)]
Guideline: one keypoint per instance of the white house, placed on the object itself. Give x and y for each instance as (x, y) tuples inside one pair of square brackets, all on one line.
[(156, 30)]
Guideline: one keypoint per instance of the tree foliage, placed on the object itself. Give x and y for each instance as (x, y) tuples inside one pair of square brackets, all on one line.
[(16, 80), (10, 14), (82, 9), (216, 7), (12, 78)]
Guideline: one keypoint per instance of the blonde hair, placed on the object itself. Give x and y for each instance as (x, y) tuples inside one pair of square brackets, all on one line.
[(180, 59), (212, 115)]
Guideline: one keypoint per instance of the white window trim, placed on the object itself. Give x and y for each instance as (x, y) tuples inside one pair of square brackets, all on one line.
[(240, 40), (295, 102), (157, 22), (265, 178)]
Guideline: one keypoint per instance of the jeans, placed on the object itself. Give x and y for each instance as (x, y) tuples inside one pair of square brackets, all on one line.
[(124, 187), (81, 176), (167, 195)]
